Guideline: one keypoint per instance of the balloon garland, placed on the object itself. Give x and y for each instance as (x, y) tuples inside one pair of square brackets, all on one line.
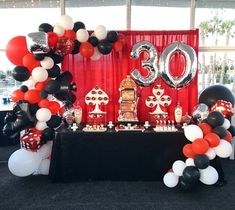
[(210, 138), (46, 91)]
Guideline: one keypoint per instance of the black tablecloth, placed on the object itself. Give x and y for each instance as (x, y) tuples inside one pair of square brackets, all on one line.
[(126, 156)]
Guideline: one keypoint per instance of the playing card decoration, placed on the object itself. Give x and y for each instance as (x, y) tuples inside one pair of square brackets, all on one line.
[(95, 98), (159, 100)]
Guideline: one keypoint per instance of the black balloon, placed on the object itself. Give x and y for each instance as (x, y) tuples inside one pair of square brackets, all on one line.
[(48, 134), (24, 88), (33, 108), (215, 119), (39, 57), (20, 73), (93, 40), (43, 94), (56, 58), (201, 161), (232, 130), (184, 185), (210, 95), (220, 131), (78, 25), (52, 87), (54, 71), (73, 87), (10, 116), (104, 47), (76, 47), (54, 122), (191, 174), (112, 36), (46, 27)]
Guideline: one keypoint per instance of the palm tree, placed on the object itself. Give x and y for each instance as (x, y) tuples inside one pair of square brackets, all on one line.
[(227, 29), (215, 30), (204, 31)]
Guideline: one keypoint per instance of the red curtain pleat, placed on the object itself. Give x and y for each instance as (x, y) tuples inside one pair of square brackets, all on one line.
[(111, 69)]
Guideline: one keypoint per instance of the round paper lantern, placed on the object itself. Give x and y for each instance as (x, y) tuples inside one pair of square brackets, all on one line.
[(39, 74), (193, 132), (170, 179), (43, 114), (47, 63)]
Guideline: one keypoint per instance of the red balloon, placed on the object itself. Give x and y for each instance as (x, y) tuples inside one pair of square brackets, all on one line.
[(188, 151), (70, 34), (62, 111), (64, 46), (54, 107), (16, 49), (30, 62), (206, 128), (44, 103), (228, 137), (122, 38), (40, 86), (200, 146), (52, 39), (17, 95), (212, 139), (117, 46), (32, 96), (86, 49)]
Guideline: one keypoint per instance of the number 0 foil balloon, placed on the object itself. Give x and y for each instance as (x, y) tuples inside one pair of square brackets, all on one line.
[(190, 68), (150, 64)]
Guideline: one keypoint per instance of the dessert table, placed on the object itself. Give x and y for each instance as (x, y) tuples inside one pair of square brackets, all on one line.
[(111, 155)]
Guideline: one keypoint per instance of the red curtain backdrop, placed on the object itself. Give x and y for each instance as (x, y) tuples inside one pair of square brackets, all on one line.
[(111, 69)]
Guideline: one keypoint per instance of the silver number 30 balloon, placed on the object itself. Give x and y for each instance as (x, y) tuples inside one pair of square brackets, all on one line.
[(150, 64), (190, 68)]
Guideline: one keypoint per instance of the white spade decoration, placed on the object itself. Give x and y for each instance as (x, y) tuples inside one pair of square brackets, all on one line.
[(158, 100), (96, 97)]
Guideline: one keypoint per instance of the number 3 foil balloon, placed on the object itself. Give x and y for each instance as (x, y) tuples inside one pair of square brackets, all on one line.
[(190, 68), (150, 64)]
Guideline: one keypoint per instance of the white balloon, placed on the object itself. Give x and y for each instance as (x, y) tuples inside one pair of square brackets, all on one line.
[(224, 149), (96, 56), (41, 125), (226, 123), (30, 83), (193, 132), (100, 32), (210, 154), (178, 167), (209, 175), (44, 167), (23, 163), (82, 35), (45, 150), (47, 63), (39, 74), (66, 22), (189, 162), (43, 114), (59, 30), (170, 179)]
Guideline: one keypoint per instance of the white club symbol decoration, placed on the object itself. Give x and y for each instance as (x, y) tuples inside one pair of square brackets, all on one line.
[(158, 100), (95, 98)]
